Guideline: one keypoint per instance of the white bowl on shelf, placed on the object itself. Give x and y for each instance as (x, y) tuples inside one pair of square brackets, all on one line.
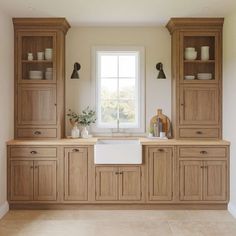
[(189, 77), (190, 55)]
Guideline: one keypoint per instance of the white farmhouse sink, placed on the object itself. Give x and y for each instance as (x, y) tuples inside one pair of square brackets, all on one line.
[(118, 152)]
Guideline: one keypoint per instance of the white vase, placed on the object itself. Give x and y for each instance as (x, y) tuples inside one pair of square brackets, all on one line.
[(84, 132), (205, 53), (75, 132)]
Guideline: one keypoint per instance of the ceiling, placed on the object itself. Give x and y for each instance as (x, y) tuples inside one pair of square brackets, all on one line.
[(117, 12)]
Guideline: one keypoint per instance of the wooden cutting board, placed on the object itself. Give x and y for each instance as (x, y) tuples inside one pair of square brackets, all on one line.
[(165, 122)]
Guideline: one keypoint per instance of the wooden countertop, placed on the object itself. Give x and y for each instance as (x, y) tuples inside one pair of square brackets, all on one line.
[(92, 141)]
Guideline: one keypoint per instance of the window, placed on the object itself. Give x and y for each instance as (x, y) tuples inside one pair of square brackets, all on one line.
[(119, 89)]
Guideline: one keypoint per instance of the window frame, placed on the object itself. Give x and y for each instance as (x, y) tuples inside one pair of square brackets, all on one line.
[(141, 87)]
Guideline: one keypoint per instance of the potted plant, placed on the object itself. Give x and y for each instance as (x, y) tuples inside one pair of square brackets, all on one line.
[(74, 118), (85, 119)]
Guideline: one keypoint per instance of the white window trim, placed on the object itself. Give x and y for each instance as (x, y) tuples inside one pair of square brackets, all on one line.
[(142, 97)]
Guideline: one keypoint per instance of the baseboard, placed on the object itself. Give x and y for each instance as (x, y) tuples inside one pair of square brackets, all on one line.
[(232, 209), (4, 208)]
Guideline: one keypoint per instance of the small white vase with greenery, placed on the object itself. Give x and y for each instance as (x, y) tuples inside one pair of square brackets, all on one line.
[(85, 119)]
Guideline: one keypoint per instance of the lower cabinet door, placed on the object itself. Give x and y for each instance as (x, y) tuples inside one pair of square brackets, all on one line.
[(45, 180), (21, 180), (191, 180), (107, 183), (130, 183), (76, 174), (215, 180), (160, 174)]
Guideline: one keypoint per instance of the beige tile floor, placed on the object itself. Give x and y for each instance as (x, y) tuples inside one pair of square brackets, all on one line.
[(117, 222)]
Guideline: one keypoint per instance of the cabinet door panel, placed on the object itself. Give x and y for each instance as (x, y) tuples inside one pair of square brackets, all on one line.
[(21, 180), (191, 180), (106, 183), (45, 180), (76, 174), (37, 105), (215, 180), (130, 183), (199, 105), (160, 174)]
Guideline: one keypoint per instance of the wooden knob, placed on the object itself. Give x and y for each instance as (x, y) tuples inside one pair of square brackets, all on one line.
[(203, 152), (75, 150), (161, 150), (37, 132), (33, 152), (199, 132)]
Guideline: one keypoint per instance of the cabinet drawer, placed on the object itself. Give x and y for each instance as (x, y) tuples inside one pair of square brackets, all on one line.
[(33, 152), (36, 133), (198, 133), (202, 152)]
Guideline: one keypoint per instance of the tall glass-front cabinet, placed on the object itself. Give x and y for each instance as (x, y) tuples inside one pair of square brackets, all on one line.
[(39, 77), (196, 77)]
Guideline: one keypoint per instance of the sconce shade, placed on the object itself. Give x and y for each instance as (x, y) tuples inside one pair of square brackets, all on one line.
[(75, 73), (161, 74)]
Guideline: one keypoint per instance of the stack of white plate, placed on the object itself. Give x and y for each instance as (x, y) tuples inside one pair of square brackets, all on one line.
[(48, 73), (204, 76), (35, 74), (189, 77)]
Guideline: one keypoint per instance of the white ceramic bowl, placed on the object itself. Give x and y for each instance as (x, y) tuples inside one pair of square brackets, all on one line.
[(190, 55), (189, 77)]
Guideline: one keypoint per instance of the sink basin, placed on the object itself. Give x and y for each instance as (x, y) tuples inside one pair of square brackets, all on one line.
[(118, 152)]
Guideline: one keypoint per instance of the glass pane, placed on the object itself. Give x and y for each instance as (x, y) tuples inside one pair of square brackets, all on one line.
[(127, 88), (109, 66), (108, 111), (127, 66), (127, 111), (109, 88)]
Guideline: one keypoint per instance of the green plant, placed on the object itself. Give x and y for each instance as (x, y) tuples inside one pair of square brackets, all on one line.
[(86, 118)]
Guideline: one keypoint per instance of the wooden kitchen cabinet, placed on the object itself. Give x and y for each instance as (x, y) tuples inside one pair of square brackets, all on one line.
[(118, 183), (37, 105), (21, 180), (196, 103), (203, 174), (76, 174), (199, 105), (160, 173), (40, 98), (32, 180)]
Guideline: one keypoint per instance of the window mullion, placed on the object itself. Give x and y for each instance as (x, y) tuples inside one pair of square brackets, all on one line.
[(118, 89)]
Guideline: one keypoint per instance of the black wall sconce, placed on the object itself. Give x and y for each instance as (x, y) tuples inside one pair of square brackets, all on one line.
[(75, 73), (161, 74)]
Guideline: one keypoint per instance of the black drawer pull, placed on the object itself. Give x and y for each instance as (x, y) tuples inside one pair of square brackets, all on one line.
[(37, 133), (117, 173), (203, 152), (33, 152), (160, 150), (199, 132), (75, 150)]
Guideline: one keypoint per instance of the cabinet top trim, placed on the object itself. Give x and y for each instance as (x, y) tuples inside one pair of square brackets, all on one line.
[(194, 23), (41, 23)]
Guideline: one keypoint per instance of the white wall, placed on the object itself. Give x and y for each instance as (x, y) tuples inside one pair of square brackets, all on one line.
[(229, 99), (157, 45), (6, 100)]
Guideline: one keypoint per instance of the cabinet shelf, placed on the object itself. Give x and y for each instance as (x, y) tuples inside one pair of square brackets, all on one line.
[(199, 61), (36, 61)]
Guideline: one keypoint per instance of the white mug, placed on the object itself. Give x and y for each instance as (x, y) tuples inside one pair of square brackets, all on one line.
[(205, 53), (162, 134), (40, 56)]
